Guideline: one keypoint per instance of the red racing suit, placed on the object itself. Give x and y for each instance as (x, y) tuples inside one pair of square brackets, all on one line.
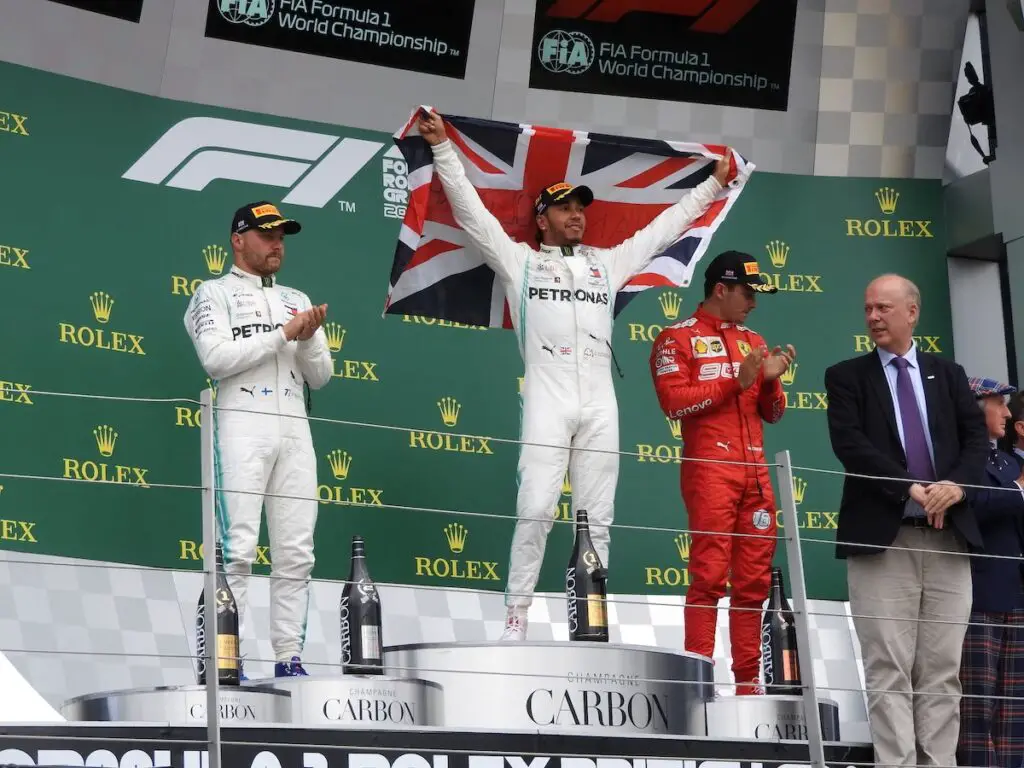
[(694, 365)]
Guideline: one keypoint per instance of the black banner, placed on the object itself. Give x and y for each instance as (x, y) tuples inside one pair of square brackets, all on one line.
[(129, 10), (417, 35), (727, 52), (289, 747)]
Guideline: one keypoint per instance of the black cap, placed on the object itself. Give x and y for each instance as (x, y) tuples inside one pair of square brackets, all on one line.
[(262, 215), (559, 193), (739, 268)]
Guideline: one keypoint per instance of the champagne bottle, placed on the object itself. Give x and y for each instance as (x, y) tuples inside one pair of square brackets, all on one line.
[(779, 657), (228, 666), (585, 584), (360, 618)]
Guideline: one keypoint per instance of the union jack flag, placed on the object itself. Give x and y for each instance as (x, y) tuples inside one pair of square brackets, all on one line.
[(437, 272)]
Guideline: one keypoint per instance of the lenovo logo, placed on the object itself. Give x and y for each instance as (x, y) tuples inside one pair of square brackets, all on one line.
[(199, 150), (714, 16)]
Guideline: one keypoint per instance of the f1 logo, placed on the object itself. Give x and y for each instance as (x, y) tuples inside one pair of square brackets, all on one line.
[(716, 16), (199, 150)]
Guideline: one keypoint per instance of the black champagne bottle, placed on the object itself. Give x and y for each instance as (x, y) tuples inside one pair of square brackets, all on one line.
[(585, 588), (228, 666), (779, 657), (360, 618)]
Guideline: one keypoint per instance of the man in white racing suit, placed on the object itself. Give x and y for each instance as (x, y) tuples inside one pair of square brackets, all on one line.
[(260, 342), (562, 299)]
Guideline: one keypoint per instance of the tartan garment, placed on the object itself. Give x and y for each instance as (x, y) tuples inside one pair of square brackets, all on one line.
[(992, 728)]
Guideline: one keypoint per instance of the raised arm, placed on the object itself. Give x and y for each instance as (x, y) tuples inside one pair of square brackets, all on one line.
[(498, 250), (220, 353), (633, 255)]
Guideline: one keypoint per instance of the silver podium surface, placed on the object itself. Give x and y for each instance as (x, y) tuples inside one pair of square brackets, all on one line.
[(769, 718), (181, 704), (360, 701), (576, 686)]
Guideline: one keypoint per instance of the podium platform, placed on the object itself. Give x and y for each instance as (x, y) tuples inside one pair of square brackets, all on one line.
[(598, 687), (181, 705)]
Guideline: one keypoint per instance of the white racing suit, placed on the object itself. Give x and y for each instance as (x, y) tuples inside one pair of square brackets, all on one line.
[(561, 301), (235, 323)]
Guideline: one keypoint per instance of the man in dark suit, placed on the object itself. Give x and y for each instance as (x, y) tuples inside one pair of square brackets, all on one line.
[(992, 669), (909, 417)]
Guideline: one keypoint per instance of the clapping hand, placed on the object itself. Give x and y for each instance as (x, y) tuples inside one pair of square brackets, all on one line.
[(314, 318), (778, 361)]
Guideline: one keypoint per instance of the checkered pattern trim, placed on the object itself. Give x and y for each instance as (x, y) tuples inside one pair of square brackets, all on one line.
[(83, 621)]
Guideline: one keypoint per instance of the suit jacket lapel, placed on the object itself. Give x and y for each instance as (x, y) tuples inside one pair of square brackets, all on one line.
[(876, 378)]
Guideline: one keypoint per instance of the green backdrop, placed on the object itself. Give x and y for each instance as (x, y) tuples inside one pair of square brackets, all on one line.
[(97, 270)]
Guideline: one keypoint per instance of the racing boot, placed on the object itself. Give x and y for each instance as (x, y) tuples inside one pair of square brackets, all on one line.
[(515, 625), (291, 668)]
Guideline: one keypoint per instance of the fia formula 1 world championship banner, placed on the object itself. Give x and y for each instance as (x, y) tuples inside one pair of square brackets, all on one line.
[(701, 51), (417, 35), (120, 219)]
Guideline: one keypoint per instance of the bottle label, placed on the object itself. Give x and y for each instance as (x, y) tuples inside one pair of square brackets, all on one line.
[(227, 652), (371, 642), (790, 668), (597, 616), (766, 653)]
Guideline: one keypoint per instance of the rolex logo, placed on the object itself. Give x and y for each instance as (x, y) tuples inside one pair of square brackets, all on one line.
[(683, 545), (102, 303), (106, 437), (456, 534), (449, 408), (789, 375), (335, 336), (340, 462), (887, 198), (676, 428), (799, 489), (670, 303), (778, 252), (566, 485), (215, 257)]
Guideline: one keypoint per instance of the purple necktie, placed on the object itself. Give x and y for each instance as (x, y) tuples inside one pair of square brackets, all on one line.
[(919, 461)]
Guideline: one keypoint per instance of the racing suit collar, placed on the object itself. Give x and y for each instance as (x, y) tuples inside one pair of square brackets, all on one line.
[(557, 251), (713, 320), (256, 281)]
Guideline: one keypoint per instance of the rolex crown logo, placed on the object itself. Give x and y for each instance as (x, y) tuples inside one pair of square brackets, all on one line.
[(335, 336), (105, 439), (449, 408), (683, 545), (102, 303), (799, 489), (778, 252), (676, 427), (887, 198), (566, 485), (215, 257), (340, 462), (456, 534), (789, 375), (670, 303)]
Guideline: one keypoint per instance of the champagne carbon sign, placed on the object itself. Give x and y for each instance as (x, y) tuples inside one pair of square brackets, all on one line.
[(401, 34), (128, 10), (700, 51)]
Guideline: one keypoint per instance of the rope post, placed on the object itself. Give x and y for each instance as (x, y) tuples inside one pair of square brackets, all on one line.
[(210, 571), (798, 586)]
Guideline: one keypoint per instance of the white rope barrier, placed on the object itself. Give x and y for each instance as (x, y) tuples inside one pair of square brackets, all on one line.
[(788, 532)]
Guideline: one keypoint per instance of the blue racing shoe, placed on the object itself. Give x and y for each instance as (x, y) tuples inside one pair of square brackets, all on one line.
[(291, 668)]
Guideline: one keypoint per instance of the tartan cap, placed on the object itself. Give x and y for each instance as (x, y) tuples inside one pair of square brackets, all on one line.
[(987, 387)]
